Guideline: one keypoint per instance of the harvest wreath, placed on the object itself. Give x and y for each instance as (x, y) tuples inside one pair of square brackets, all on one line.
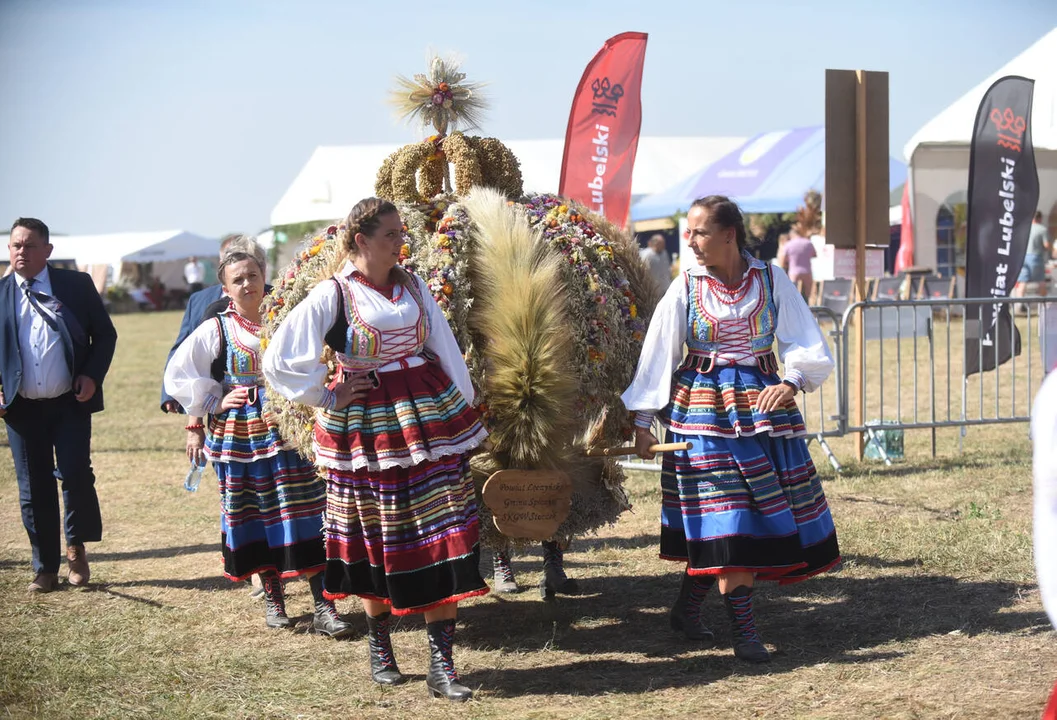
[(548, 302)]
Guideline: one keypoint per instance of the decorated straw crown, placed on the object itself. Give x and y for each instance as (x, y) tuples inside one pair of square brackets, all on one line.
[(444, 100)]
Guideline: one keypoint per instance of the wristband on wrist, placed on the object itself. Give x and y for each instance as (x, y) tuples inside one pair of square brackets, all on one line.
[(196, 426), (643, 420)]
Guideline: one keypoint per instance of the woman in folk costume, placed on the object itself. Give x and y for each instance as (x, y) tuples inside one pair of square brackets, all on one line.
[(393, 435), (272, 501), (744, 503)]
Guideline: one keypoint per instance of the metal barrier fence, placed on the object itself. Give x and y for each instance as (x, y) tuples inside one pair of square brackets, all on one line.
[(910, 373)]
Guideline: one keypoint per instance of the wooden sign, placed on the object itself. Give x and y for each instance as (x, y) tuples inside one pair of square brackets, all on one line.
[(856, 153), (528, 504)]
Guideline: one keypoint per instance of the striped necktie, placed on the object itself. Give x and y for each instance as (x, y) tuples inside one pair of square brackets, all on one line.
[(51, 317)]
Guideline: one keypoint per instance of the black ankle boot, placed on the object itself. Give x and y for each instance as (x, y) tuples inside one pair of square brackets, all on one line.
[(502, 574), (274, 603), (442, 679), (747, 643), (325, 618), (555, 581), (685, 616), (383, 663)]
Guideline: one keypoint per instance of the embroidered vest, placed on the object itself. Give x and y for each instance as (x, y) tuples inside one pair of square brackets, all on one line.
[(736, 340), (360, 345), (242, 364)]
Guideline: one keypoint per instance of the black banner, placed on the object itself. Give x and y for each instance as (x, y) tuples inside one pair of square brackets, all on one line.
[(1003, 195)]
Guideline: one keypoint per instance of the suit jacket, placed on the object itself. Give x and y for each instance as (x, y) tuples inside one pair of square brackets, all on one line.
[(201, 305), (78, 296)]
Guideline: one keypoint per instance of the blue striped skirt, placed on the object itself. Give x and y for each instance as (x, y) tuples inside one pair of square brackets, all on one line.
[(271, 516), (746, 498)]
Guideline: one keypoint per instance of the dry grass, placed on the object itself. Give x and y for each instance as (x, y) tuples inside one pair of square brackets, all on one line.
[(935, 614)]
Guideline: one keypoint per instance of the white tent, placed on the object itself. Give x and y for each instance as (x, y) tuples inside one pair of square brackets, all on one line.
[(133, 247), (336, 177), (938, 153), (167, 250)]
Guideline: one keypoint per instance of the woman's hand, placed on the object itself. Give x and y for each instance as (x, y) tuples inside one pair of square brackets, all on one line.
[(196, 440), (235, 399), (643, 440), (774, 397), (352, 389)]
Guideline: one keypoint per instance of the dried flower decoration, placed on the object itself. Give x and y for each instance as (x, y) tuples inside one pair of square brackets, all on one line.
[(442, 98)]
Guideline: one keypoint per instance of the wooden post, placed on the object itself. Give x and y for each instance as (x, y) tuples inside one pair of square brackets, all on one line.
[(860, 252), (856, 196)]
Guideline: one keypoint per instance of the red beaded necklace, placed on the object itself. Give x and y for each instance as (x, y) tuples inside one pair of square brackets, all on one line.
[(386, 291), (727, 295), (246, 324), (359, 277)]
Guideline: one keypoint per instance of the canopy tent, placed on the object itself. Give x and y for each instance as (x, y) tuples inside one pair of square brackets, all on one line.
[(337, 177), (133, 247), (768, 174), (938, 153)]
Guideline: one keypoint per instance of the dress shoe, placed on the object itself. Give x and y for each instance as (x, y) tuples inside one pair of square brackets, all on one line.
[(77, 559), (44, 583)]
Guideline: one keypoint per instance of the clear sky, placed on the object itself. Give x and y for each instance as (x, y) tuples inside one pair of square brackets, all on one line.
[(125, 115)]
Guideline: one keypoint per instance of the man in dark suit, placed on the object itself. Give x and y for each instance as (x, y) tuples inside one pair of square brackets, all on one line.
[(56, 344)]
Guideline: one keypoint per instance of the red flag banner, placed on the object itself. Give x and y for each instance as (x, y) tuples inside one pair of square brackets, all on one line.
[(603, 132), (905, 256)]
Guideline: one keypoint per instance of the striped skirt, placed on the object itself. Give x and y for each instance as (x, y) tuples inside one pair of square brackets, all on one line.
[(401, 519), (746, 496), (272, 500), (242, 435), (722, 402)]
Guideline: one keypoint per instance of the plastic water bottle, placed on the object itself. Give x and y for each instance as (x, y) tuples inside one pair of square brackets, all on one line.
[(194, 476)]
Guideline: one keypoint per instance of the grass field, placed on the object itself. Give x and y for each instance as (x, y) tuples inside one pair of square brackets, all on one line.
[(935, 614)]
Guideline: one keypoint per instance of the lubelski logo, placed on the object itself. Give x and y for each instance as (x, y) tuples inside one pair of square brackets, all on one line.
[(606, 97), (1010, 128)]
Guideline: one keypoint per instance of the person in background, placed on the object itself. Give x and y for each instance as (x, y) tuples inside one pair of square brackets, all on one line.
[(200, 305), (744, 503), (658, 261), (795, 258), (393, 434), (193, 315), (194, 274), (554, 581), (56, 345), (272, 501), (764, 245), (1038, 250)]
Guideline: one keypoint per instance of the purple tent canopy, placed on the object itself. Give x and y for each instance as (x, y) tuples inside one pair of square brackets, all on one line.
[(768, 174)]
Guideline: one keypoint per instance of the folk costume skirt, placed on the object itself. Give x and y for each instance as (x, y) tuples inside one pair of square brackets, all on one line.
[(271, 498), (401, 520), (746, 496)]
